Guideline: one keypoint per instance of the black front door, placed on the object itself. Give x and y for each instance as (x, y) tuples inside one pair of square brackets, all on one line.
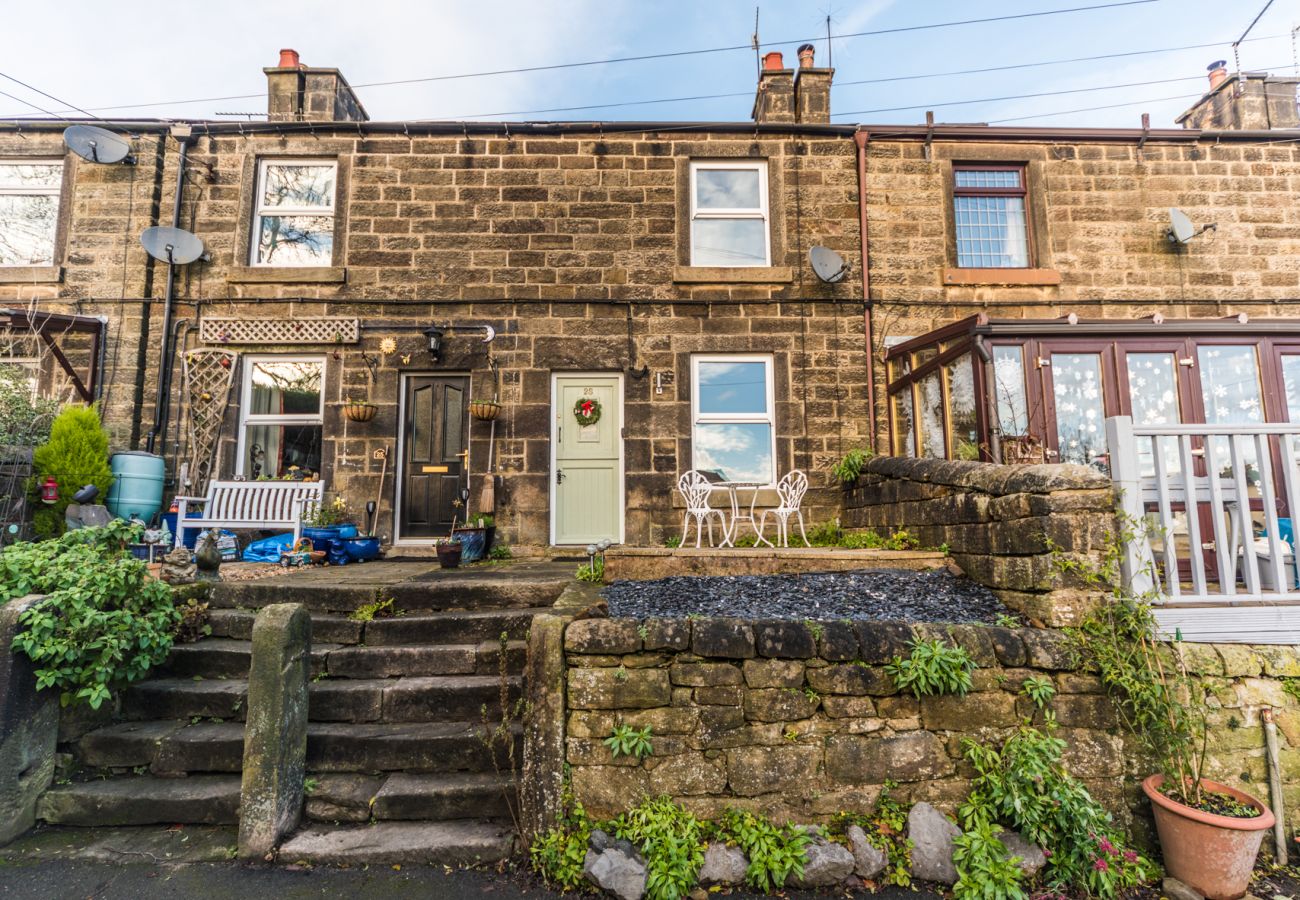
[(434, 452)]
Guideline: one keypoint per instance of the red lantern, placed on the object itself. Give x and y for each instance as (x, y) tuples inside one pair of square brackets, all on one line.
[(50, 490)]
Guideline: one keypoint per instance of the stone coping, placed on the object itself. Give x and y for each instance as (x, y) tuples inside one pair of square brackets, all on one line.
[(648, 563), (988, 478)]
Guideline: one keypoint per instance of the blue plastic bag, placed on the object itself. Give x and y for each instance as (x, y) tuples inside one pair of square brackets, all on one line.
[(268, 549)]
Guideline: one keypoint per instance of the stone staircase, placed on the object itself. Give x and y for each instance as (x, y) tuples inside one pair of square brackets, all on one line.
[(398, 767)]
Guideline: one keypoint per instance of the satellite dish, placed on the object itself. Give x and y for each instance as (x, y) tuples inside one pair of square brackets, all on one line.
[(171, 245), (828, 265), (1181, 230), (97, 145)]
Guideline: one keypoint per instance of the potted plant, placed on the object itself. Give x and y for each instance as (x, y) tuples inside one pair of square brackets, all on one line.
[(326, 522), (360, 410), (448, 550), (1210, 833), (484, 410)]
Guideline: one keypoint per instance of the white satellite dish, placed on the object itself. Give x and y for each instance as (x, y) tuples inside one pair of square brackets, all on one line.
[(1181, 230), (171, 245), (827, 265), (97, 145)]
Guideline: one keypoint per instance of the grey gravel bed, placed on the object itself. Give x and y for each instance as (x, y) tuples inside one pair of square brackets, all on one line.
[(879, 594)]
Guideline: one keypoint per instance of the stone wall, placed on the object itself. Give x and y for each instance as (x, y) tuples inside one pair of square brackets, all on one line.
[(997, 522), (800, 720)]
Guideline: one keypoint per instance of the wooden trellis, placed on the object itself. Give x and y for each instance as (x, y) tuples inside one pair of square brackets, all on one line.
[(294, 330), (208, 376)]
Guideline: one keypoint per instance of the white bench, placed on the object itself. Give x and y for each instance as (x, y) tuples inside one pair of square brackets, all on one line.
[(250, 504)]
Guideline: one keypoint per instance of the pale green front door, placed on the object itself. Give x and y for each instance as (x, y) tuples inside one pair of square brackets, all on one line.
[(587, 483)]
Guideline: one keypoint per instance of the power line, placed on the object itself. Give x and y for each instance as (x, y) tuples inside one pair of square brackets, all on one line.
[(649, 56), (50, 96), (28, 103)]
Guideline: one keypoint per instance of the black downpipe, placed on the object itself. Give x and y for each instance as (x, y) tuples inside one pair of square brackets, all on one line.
[(142, 346), (158, 434)]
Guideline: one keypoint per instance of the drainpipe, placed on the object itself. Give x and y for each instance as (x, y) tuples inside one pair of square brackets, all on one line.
[(860, 137), (158, 434)]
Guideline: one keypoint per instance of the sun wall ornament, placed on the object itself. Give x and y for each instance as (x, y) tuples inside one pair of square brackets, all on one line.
[(388, 346), (587, 411)]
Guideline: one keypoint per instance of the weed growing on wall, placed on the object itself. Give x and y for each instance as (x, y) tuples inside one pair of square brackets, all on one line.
[(932, 667), (672, 842), (985, 870), (558, 854), (775, 852), (625, 740), (849, 467), (886, 829)]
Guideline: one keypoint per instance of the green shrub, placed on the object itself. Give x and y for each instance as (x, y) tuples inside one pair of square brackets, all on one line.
[(775, 852), (24, 419), (985, 871), (672, 841), (75, 455), (849, 468), (932, 667), (557, 855), (500, 552), (593, 572), (104, 621)]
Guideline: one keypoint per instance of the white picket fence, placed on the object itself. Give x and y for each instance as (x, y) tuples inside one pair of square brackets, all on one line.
[(1193, 486)]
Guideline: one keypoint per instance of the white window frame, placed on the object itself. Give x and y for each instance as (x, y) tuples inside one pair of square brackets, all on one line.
[(702, 418), (246, 402), (55, 191), (761, 212), (261, 211)]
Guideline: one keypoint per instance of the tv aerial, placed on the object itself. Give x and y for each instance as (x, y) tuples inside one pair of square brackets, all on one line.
[(828, 265), (174, 246), (97, 145), (1181, 230)]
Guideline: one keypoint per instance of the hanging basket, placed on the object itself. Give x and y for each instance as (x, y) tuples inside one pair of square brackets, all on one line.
[(484, 410), (358, 411)]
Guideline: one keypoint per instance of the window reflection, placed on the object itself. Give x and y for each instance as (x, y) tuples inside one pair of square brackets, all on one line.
[(29, 212)]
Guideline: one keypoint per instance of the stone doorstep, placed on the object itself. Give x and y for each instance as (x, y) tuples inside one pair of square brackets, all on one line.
[(435, 843), (144, 800)]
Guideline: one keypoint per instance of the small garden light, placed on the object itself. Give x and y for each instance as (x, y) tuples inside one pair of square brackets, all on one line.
[(591, 556), (49, 490), (434, 335)]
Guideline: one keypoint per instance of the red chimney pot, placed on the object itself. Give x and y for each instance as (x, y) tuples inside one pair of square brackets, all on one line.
[(772, 61), (289, 59), (1218, 72)]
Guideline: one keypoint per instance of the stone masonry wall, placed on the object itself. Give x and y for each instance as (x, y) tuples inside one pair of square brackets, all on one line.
[(997, 522), (800, 720)]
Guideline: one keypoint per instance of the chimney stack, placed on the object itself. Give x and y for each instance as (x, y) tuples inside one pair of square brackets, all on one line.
[(775, 99), (1245, 101), (298, 93), (1218, 73), (812, 90)]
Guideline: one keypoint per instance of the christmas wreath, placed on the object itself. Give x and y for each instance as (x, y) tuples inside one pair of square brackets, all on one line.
[(587, 411)]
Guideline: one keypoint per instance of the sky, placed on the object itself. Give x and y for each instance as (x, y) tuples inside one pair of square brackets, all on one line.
[(96, 54)]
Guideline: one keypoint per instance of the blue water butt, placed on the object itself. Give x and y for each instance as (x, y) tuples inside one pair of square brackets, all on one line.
[(137, 485)]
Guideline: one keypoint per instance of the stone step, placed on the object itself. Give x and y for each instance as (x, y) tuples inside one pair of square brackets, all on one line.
[(437, 698), (414, 747), (435, 843), (435, 590), (462, 795), (468, 627), (144, 800), (218, 657), (186, 698), (325, 628), (168, 748), (434, 659)]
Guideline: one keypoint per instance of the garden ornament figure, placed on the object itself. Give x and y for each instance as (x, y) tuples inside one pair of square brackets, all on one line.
[(207, 556), (178, 568)]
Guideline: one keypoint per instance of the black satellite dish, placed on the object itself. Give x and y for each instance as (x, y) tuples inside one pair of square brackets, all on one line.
[(828, 265), (97, 145), (171, 245)]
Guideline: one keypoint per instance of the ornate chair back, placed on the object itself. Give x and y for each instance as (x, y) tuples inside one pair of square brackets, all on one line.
[(695, 488), (791, 488)]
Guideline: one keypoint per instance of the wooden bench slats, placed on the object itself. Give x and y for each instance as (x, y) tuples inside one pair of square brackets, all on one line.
[(252, 504)]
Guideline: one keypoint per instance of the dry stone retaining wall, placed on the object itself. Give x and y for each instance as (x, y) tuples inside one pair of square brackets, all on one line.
[(998, 522), (800, 720)]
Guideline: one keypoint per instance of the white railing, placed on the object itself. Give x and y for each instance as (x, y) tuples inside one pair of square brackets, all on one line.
[(1200, 491)]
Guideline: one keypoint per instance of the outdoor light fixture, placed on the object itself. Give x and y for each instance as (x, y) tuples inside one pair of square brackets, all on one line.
[(50, 490), (434, 335)]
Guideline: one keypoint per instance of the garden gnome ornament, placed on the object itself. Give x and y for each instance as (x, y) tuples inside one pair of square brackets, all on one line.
[(177, 568)]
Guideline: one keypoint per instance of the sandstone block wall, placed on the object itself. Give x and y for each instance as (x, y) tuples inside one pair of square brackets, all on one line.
[(800, 720), (998, 523)]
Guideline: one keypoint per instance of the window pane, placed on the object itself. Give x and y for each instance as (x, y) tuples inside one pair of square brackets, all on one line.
[(273, 450), (727, 189), (27, 226), (1153, 394), (931, 416), (733, 387), (296, 240), (739, 452), (1291, 380), (1230, 385), (31, 175), (298, 185), (729, 242), (977, 178), (1076, 387), (1009, 386), (904, 433), (284, 388), (964, 440), (991, 232)]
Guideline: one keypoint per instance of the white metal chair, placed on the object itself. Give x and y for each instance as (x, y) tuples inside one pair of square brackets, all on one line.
[(789, 490), (696, 489)]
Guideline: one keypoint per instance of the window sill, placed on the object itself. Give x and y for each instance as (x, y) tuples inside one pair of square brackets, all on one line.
[(1001, 276), (31, 274), (733, 275), (287, 275)]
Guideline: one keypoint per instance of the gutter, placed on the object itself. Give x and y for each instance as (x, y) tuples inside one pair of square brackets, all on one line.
[(861, 137)]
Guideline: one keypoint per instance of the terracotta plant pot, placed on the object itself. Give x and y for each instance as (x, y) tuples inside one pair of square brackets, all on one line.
[(449, 555), (1213, 854), (484, 410), (357, 411)]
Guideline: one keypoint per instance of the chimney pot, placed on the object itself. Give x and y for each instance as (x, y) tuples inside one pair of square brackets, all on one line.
[(773, 61), (289, 59), (806, 52), (1218, 72)]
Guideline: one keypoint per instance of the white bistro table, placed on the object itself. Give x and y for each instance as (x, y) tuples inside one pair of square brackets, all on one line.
[(739, 513)]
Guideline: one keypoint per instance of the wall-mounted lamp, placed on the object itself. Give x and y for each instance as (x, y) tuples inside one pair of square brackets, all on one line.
[(434, 335)]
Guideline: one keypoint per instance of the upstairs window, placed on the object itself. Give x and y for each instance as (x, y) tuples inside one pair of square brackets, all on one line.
[(729, 214), (29, 211), (734, 435), (989, 212), (293, 222)]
